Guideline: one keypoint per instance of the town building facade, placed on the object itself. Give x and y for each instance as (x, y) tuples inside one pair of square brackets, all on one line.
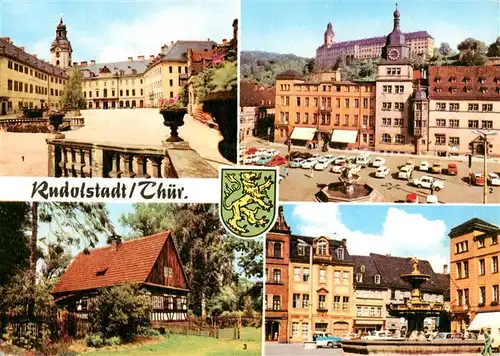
[(474, 274), (277, 280), (327, 55), (257, 104), (329, 111), (461, 100)]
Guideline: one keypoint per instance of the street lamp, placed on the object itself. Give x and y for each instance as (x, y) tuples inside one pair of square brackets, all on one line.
[(484, 135), (309, 344)]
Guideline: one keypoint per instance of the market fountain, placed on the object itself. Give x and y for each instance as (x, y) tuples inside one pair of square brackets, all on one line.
[(415, 342)]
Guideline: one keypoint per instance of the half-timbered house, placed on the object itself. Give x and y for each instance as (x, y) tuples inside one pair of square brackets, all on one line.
[(151, 262)]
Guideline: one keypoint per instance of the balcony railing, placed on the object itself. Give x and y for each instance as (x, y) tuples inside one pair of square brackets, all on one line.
[(72, 158)]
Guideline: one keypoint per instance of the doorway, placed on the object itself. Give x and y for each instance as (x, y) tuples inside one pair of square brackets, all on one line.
[(4, 108), (105, 105), (272, 330)]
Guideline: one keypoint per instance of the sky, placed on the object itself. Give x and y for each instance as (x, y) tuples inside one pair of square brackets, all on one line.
[(298, 26), (114, 30), (399, 230)]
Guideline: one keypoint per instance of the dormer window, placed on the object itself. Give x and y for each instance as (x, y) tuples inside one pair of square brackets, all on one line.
[(438, 89), (363, 269), (321, 250), (498, 89), (340, 253), (467, 89), (377, 279), (301, 251), (453, 89), (438, 79), (483, 89), (466, 80), (497, 80), (101, 272), (452, 80), (359, 278), (481, 79)]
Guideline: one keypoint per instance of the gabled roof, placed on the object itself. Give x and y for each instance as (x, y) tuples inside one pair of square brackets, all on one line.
[(126, 66), (255, 95), (472, 225), (289, 75), (368, 280), (107, 266), (333, 245), (178, 51)]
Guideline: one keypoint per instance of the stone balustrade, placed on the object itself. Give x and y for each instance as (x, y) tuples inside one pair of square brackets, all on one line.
[(74, 158), (74, 122), (22, 120)]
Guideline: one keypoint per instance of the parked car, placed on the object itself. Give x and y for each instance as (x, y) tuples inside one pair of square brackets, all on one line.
[(405, 172), (261, 152), (355, 168), (263, 160), (428, 182), (296, 162), (410, 163), (330, 157), (432, 199), (251, 150), (424, 166), (411, 198), (382, 172), (452, 169), (443, 336), (250, 159), (337, 169), (378, 335), (477, 178), (378, 162), (339, 160), (322, 163), (273, 152), (309, 163), (326, 340), (493, 179), (277, 161), (436, 167), (363, 160)]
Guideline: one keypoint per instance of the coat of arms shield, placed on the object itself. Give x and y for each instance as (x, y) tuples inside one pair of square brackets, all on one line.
[(249, 197)]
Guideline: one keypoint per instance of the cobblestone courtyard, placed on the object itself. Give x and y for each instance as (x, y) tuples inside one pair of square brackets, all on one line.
[(127, 126)]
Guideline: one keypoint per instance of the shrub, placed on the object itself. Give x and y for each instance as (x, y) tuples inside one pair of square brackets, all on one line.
[(120, 311), (30, 338), (147, 332), (113, 341), (28, 128), (94, 340)]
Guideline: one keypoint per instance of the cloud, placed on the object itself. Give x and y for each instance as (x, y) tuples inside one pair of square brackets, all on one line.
[(403, 234)]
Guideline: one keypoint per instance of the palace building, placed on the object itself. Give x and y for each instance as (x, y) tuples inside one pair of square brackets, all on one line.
[(28, 81), (328, 54), (474, 274), (327, 110)]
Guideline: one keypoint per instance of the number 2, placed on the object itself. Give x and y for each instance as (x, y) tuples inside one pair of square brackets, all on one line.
[(491, 190)]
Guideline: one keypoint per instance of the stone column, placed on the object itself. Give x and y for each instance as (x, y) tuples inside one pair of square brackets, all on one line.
[(97, 162)]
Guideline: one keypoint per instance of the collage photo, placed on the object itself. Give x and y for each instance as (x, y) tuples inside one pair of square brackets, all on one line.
[(249, 177)]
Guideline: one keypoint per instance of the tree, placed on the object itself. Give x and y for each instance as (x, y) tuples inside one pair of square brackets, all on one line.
[(120, 311), (56, 260), (309, 67), (444, 49), (494, 49), (472, 52), (418, 61), (72, 98), (357, 70)]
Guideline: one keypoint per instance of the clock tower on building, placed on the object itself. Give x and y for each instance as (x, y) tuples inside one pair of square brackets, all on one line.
[(60, 48)]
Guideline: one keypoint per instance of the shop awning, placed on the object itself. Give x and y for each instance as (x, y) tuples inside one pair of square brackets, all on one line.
[(303, 133), (485, 320), (344, 136)]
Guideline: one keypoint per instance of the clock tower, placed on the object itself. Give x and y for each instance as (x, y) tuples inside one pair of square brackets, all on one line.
[(394, 88), (60, 48)]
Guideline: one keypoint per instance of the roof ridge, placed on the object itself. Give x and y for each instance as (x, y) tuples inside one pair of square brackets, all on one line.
[(131, 240)]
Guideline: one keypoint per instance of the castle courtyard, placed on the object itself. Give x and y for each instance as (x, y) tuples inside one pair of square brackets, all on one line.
[(25, 154)]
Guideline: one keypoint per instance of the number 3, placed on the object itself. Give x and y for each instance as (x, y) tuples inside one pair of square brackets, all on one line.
[(244, 346)]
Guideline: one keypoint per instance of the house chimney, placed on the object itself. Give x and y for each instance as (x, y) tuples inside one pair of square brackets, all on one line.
[(445, 269), (140, 58), (115, 241), (388, 254), (151, 57), (83, 63), (344, 243), (92, 62), (22, 48), (6, 39), (224, 41), (75, 63), (130, 59), (171, 43)]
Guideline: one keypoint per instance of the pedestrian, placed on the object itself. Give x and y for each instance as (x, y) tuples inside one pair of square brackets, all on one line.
[(312, 171), (432, 190), (487, 344), (286, 171)]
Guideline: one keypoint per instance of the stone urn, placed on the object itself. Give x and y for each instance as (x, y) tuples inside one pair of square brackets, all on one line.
[(173, 118), (55, 120), (223, 108)]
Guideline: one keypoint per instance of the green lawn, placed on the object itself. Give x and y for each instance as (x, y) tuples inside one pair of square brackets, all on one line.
[(189, 345)]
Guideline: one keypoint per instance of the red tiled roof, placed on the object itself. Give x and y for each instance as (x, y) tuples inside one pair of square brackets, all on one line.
[(462, 82), (252, 94), (131, 262), (199, 56)]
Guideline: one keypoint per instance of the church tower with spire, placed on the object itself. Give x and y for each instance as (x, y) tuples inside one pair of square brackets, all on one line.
[(329, 35), (395, 48), (60, 48)]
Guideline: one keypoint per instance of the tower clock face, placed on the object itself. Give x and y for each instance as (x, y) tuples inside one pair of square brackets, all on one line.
[(393, 54)]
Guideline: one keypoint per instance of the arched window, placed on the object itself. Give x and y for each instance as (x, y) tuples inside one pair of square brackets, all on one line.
[(386, 138), (105, 93), (57, 62), (399, 139), (133, 103), (141, 104), (127, 104), (121, 103)]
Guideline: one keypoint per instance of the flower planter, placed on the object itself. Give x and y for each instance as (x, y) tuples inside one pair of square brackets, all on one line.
[(223, 108), (55, 120), (173, 118)]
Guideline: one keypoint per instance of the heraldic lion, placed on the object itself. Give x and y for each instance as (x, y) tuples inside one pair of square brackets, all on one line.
[(253, 193)]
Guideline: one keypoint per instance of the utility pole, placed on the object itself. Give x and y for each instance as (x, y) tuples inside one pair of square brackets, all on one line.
[(484, 136)]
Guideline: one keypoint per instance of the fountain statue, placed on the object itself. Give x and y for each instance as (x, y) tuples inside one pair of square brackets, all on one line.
[(415, 310), (349, 179)]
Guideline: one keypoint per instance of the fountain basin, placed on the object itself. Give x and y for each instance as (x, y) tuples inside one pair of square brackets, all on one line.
[(335, 192), (404, 347)]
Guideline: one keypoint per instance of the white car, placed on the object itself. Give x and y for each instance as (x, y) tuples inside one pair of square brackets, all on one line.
[(378, 162), (261, 152), (340, 160), (378, 335), (424, 166), (410, 163), (382, 172), (330, 157), (354, 168), (405, 172), (432, 199), (251, 159), (322, 164), (309, 163), (493, 179), (273, 152), (428, 182), (337, 169), (363, 160)]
